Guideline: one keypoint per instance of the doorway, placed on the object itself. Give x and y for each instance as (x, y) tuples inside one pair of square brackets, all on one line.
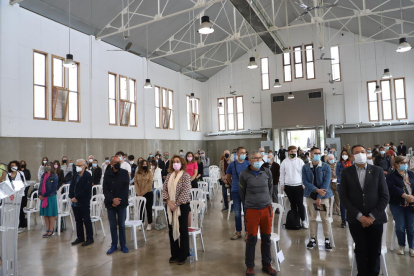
[(306, 138)]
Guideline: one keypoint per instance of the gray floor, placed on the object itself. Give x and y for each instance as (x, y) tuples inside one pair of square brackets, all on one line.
[(55, 256)]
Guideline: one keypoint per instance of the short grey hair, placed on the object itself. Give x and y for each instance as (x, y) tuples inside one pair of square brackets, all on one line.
[(255, 152), (331, 155), (81, 160)]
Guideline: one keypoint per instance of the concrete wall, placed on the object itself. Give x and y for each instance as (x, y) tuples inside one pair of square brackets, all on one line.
[(34, 149)]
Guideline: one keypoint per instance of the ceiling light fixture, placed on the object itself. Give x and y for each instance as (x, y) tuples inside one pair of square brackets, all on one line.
[(252, 63), (377, 89), (68, 62), (205, 27), (277, 83), (291, 96), (147, 84), (387, 74), (192, 97), (404, 46)]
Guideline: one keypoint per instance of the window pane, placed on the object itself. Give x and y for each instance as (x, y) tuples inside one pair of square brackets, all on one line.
[(336, 73), (335, 54), (73, 79), (230, 105), (112, 112), (239, 102), (298, 55), (132, 116), (371, 88), (309, 70), (164, 98), (188, 121), (286, 58), (123, 88), (111, 86), (240, 121), (265, 82), (39, 69), (197, 106), (386, 91), (157, 117), (172, 120), (222, 122), (157, 97), (373, 109), (386, 105), (170, 99), (231, 122), (288, 73), (399, 89), (57, 72), (299, 70), (39, 102), (188, 104), (221, 109), (309, 53), (265, 65), (401, 109), (131, 91), (73, 106)]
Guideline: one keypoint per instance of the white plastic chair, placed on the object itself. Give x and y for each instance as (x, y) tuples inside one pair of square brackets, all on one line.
[(393, 236), (230, 205), (197, 194), (64, 208), (34, 207), (97, 189), (204, 186), (319, 219), (97, 202), (132, 191), (158, 204), (196, 222), (138, 202), (275, 236)]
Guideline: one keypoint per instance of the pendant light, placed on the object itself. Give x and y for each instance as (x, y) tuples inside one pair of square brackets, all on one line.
[(404, 46), (147, 84), (68, 62), (192, 97), (387, 74), (277, 82), (205, 27), (291, 96), (252, 63), (377, 89)]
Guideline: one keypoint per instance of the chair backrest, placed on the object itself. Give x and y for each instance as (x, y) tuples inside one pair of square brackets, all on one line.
[(197, 213), (132, 191), (66, 187), (96, 209), (158, 197), (63, 203), (203, 185), (276, 206), (196, 194), (138, 202), (34, 201), (98, 189)]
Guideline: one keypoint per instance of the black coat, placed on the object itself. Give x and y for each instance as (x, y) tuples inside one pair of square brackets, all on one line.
[(116, 185), (96, 175), (396, 186), (372, 200), (134, 168), (282, 154), (81, 190), (164, 167), (402, 150)]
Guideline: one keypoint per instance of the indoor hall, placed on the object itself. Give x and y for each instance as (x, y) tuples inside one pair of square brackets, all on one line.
[(174, 125)]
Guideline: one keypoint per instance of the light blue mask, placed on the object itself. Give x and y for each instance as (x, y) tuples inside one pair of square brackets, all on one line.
[(404, 167), (94, 165), (316, 158), (257, 164), (368, 151), (387, 148), (382, 152), (182, 153), (242, 157), (151, 155), (71, 164), (262, 153), (331, 161)]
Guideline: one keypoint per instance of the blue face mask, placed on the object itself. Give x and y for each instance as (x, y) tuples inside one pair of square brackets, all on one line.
[(404, 167), (151, 155), (262, 153), (257, 164), (234, 156), (387, 148), (382, 152), (331, 161), (71, 164), (317, 157), (368, 151), (182, 153), (94, 165), (242, 156)]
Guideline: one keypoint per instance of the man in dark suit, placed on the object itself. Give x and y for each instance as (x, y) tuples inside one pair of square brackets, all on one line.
[(281, 154), (364, 193), (164, 164), (402, 149)]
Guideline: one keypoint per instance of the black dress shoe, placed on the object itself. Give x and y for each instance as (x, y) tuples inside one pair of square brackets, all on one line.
[(173, 260), (88, 242), (77, 241)]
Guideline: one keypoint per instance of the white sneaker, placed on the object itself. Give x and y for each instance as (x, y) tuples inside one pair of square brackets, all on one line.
[(401, 250), (139, 228), (411, 252), (149, 227), (21, 230), (305, 224)]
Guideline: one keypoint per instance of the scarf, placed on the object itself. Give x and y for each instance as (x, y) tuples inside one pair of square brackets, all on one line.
[(43, 190), (347, 164), (173, 216)]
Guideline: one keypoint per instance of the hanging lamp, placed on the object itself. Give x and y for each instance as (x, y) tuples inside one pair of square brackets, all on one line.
[(252, 63), (205, 27), (387, 74), (377, 89), (68, 62), (277, 82), (291, 96), (404, 46)]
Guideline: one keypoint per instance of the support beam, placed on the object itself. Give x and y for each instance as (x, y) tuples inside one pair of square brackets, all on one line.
[(12, 2)]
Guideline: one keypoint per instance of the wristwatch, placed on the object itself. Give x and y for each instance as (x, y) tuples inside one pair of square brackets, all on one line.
[(176, 204)]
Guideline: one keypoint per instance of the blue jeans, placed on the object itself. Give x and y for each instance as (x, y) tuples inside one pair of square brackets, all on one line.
[(224, 192), (404, 221), (341, 206), (237, 210), (112, 217)]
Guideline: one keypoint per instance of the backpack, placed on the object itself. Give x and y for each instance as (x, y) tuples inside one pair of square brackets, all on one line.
[(293, 220)]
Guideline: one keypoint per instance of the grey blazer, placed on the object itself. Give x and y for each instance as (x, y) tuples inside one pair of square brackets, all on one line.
[(372, 200)]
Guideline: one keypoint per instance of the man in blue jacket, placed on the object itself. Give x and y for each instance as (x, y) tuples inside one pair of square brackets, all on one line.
[(316, 176)]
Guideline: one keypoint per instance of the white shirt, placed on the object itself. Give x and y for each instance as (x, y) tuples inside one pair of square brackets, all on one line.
[(157, 179), (291, 172), (126, 166)]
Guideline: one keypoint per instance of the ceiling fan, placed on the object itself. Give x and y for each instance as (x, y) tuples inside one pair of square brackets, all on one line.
[(232, 92), (335, 94), (325, 58), (331, 80), (309, 9), (127, 48)]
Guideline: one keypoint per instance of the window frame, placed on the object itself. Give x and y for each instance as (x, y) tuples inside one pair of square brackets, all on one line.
[(261, 74), (46, 86), (53, 72), (313, 61), (283, 67), (297, 63), (339, 63), (405, 98), (227, 114), (369, 108), (135, 104), (78, 92), (172, 118), (159, 107), (382, 101), (237, 112), (192, 114), (116, 99), (218, 114)]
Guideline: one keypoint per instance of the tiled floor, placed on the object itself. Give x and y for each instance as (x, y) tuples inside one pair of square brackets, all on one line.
[(55, 256)]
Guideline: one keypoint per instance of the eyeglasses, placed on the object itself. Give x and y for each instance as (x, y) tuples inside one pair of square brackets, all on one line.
[(404, 163), (317, 153), (256, 158)]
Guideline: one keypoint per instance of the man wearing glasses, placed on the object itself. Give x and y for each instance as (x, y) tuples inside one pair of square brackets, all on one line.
[(233, 171), (316, 176), (256, 186)]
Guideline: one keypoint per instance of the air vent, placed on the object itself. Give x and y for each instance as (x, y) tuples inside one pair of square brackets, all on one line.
[(278, 98), (315, 95)]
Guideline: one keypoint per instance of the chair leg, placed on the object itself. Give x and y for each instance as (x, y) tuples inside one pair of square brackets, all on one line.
[(71, 221), (43, 222), (193, 237), (35, 219), (228, 214), (202, 241), (332, 238), (134, 231), (103, 230), (276, 260), (94, 227), (143, 233), (394, 235), (383, 265), (28, 221), (354, 268), (59, 221)]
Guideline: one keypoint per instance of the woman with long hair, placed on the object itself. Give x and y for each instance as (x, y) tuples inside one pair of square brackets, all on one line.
[(143, 187), (344, 162), (200, 166), (47, 194), (59, 173), (192, 169), (41, 170)]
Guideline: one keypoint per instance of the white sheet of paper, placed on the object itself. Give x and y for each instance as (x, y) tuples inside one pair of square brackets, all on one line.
[(334, 181), (280, 256)]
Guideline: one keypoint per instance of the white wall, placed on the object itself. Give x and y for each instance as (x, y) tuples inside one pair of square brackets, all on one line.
[(357, 64), (23, 31)]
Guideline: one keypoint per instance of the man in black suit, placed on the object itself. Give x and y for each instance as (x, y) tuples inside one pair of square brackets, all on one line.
[(281, 154), (164, 164), (402, 149), (364, 193)]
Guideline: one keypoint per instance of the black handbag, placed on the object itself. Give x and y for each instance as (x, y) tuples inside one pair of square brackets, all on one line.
[(314, 195)]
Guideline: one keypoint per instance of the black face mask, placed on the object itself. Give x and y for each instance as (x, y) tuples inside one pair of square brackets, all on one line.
[(292, 155), (196, 158), (227, 155), (117, 166), (23, 166), (64, 161), (401, 143), (144, 168)]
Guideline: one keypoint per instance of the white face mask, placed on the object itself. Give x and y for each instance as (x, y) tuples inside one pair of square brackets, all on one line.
[(121, 158), (90, 160), (44, 162), (360, 158), (78, 169), (131, 162), (14, 169), (345, 157), (369, 155)]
